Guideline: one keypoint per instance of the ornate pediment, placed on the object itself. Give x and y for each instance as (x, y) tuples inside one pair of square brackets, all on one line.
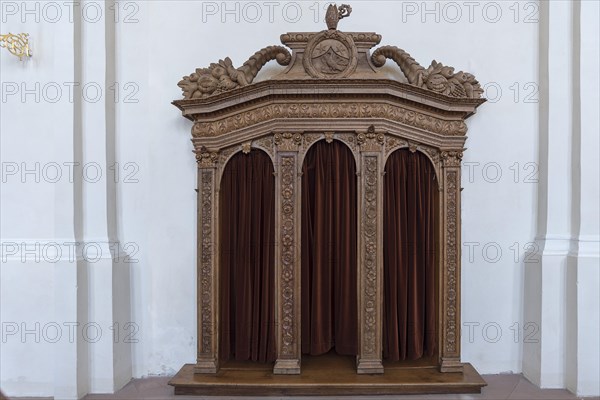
[(326, 55)]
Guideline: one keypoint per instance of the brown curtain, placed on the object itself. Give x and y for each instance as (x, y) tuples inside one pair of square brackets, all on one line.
[(329, 298), (409, 216), (247, 279)]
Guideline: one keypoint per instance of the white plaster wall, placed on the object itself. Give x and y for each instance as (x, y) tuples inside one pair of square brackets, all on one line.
[(157, 42), (36, 129)]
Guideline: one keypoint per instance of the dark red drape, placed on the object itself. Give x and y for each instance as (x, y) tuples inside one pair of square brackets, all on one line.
[(247, 279), (409, 219), (329, 297)]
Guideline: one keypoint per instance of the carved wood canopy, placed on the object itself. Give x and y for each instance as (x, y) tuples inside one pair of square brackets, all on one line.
[(333, 88)]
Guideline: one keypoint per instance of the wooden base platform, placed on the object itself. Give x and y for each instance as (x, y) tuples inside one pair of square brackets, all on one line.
[(325, 375)]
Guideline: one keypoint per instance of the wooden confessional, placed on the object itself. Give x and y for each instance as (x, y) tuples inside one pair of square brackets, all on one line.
[(255, 145)]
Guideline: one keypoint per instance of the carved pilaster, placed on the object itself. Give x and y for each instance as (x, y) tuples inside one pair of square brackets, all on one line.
[(287, 256), (370, 264), (450, 330), (207, 361)]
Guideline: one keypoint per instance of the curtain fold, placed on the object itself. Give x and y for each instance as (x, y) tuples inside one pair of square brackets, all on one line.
[(247, 257), (409, 216), (329, 261)]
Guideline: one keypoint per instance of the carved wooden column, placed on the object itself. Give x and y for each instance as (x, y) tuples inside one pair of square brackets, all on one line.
[(287, 253), (450, 304), (207, 306), (370, 254)]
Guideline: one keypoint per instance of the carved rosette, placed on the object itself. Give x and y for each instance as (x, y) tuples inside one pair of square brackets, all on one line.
[(345, 110), (330, 54)]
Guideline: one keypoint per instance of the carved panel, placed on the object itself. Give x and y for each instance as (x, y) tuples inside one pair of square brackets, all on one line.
[(369, 229), (288, 176), (369, 360), (330, 54), (329, 110), (206, 261), (450, 329)]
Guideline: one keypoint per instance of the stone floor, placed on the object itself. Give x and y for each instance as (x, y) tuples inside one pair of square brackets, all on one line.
[(499, 387)]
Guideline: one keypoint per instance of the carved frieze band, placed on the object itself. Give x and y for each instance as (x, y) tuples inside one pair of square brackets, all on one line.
[(288, 245), (370, 335), (329, 110), (206, 264), (450, 330)]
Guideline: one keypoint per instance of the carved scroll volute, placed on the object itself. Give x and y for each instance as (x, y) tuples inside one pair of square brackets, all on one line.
[(287, 253), (207, 307), (450, 304), (370, 254)]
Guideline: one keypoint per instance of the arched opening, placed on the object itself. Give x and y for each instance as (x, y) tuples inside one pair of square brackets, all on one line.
[(410, 213), (247, 259), (329, 257)]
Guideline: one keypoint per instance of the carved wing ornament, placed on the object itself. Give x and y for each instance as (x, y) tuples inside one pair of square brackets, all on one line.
[(222, 76), (438, 77)]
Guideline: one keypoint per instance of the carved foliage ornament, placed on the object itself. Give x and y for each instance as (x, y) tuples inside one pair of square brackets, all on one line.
[(222, 76), (437, 77)]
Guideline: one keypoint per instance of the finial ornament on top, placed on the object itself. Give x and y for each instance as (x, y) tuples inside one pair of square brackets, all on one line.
[(335, 13)]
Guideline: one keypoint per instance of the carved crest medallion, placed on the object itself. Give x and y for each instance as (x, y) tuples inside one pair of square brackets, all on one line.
[(330, 54)]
